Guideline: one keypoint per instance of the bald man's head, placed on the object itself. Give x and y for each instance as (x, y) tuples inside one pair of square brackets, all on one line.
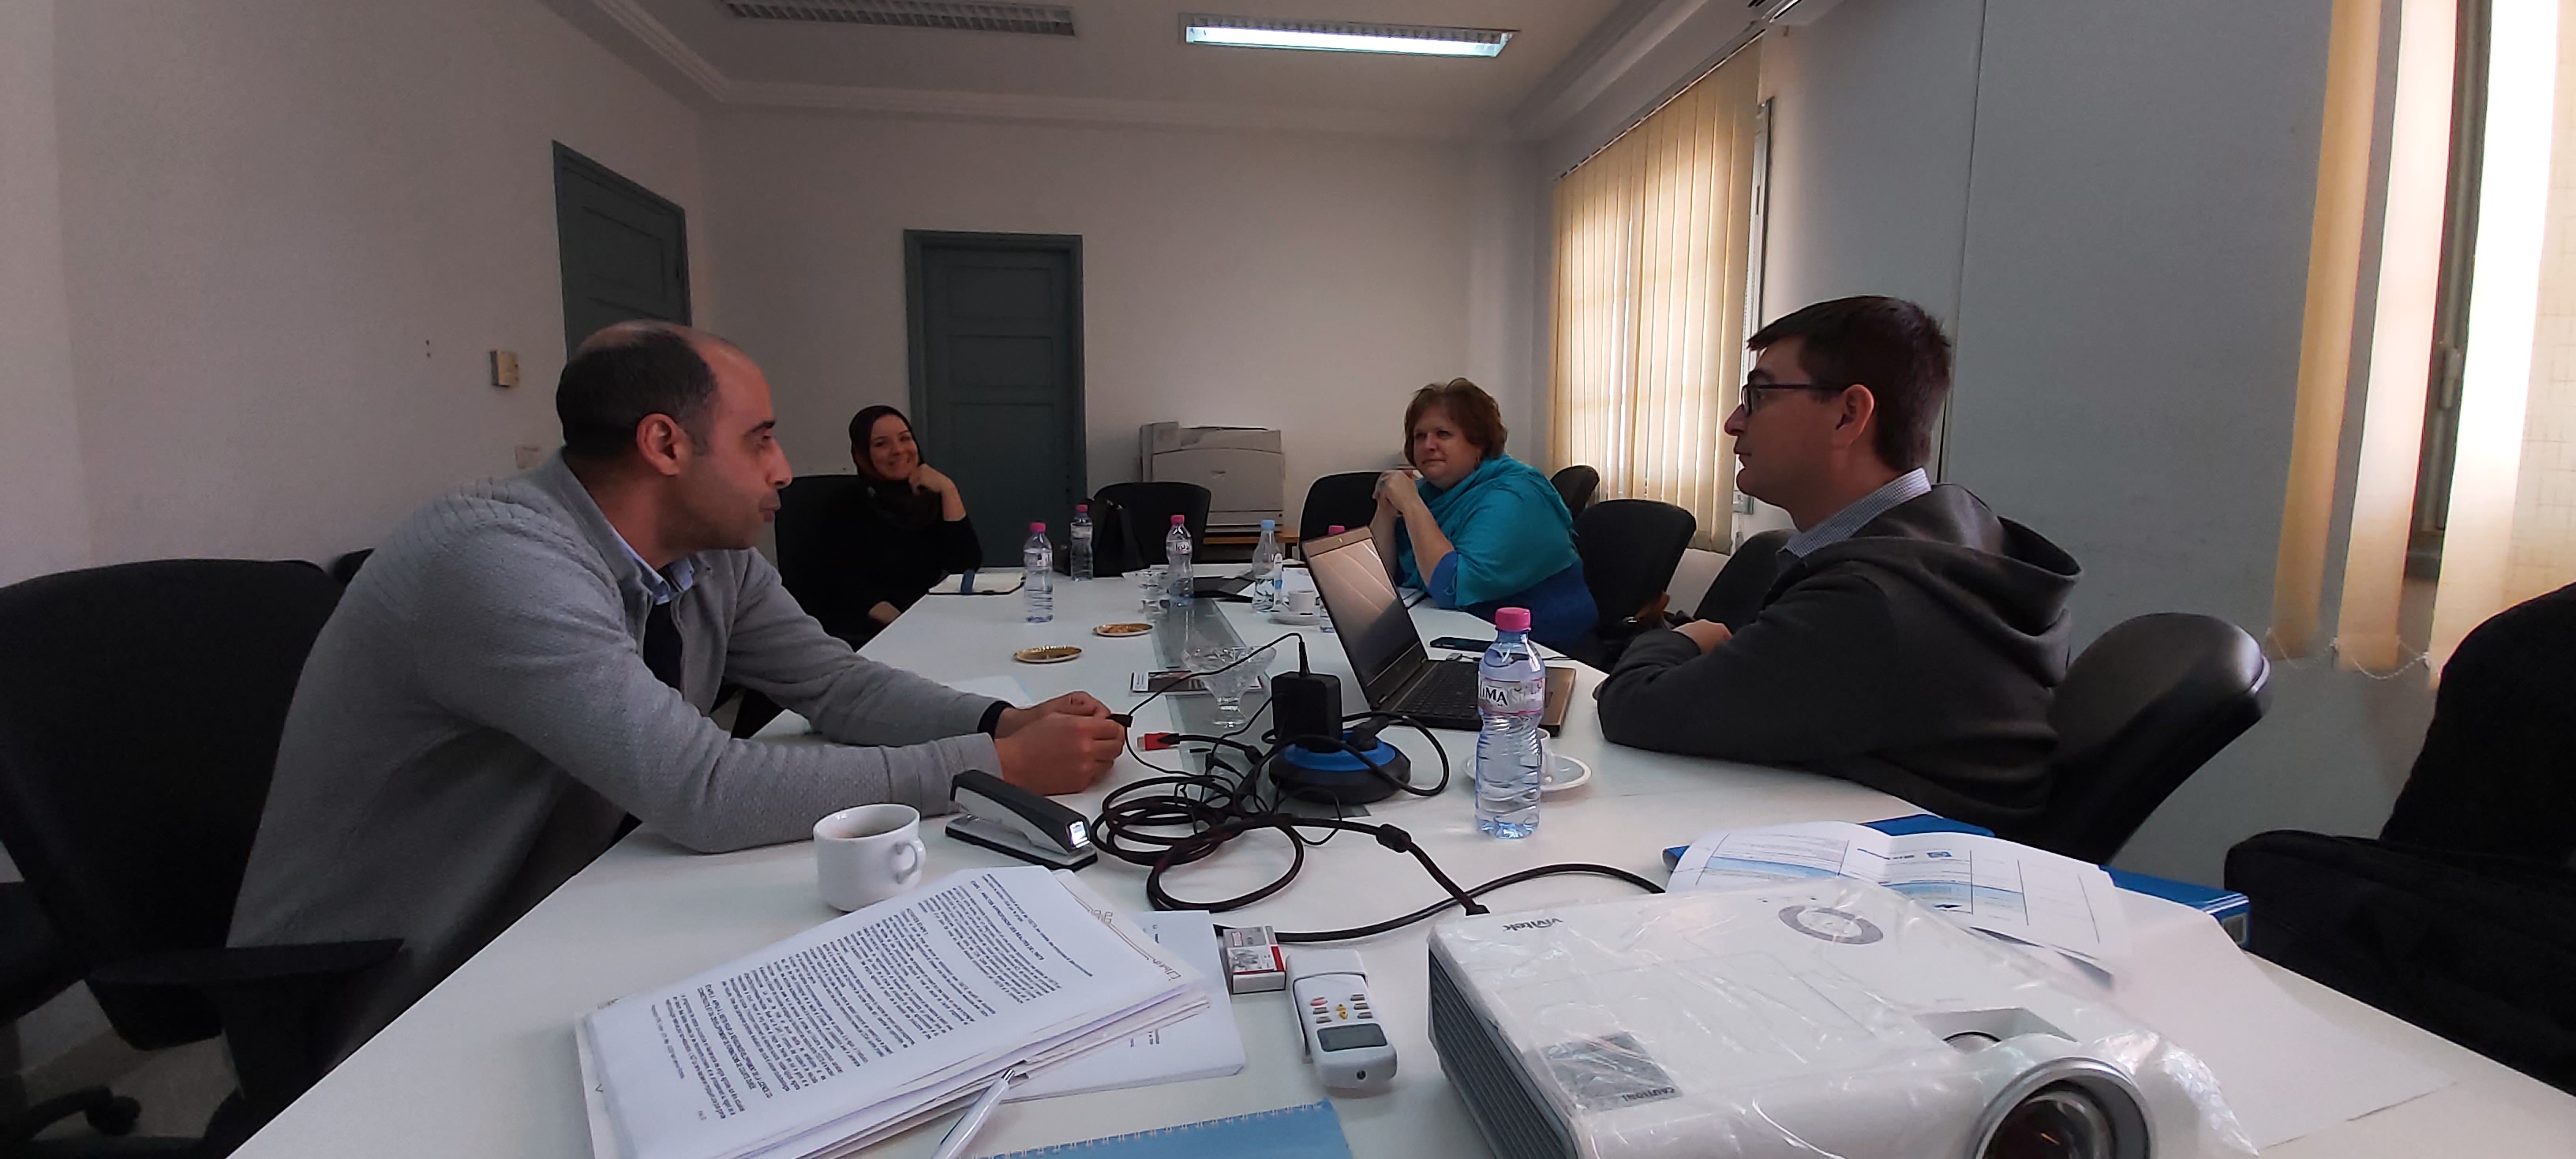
[(635, 330), (627, 372)]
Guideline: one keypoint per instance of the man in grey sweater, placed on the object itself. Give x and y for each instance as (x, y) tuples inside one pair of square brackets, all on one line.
[(526, 662), (1905, 638)]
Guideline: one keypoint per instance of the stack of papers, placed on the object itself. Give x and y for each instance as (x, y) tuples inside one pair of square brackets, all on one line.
[(871, 1023), (1986, 883), (1204, 1045)]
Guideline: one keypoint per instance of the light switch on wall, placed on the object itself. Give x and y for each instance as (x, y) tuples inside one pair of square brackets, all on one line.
[(505, 368)]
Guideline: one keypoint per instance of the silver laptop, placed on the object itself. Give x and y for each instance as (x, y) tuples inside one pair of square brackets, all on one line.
[(1377, 634)]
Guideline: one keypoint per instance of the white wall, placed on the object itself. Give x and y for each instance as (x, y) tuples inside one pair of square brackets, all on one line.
[(1506, 301), (292, 231), (44, 516), (1307, 283), (1872, 113), (2136, 272)]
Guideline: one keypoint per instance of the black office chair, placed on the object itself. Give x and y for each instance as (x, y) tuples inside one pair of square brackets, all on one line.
[(1348, 499), (812, 534), (2474, 947), (1734, 598), (2138, 713), (139, 722), (1148, 509), (2495, 775), (811, 530), (1576, 485), (1630, 548), (345, 568), (35, 966), (809, 534), (2461, 916)]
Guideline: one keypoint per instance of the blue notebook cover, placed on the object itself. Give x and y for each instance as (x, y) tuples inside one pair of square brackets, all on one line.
[(1312, 1131), (2228, 906)]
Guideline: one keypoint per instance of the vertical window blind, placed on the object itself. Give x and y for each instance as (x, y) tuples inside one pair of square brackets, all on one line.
[(1652, 237), (2510, 526), (2325, 343), (2511, 531)]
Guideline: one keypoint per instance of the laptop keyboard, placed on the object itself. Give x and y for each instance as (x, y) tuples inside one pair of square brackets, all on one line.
[(1450, 693)]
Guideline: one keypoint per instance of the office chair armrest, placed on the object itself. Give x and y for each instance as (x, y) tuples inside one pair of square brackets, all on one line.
[(283, 1023), (213, 970)]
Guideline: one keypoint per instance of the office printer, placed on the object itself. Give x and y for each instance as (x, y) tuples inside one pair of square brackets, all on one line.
[(1240, 466), (1790, 1021)]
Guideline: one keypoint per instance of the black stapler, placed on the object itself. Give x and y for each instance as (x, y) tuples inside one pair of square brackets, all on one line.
[(1006, 818)]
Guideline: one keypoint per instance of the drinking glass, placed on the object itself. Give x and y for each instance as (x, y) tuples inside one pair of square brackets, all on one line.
[(1230, 685), (1154, 591)]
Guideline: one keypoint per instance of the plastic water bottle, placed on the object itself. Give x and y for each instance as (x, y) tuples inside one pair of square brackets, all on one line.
[(1267, 568), (1037, 568), (1176, 554), (1081, 546), (1511, 751)]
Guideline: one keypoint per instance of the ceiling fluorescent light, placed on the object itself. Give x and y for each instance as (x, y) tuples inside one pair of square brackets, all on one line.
[(1341, 36)]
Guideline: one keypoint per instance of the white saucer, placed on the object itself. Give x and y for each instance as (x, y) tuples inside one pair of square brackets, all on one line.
[(1564, 772), (1294, 620)]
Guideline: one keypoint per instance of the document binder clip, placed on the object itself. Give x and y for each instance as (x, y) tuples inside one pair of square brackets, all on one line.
[(1006, 818)]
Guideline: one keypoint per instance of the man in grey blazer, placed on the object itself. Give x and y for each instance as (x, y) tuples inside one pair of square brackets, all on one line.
[(526, 662)]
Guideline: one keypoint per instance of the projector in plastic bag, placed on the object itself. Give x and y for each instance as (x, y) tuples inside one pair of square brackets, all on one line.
[(1814, 1019)]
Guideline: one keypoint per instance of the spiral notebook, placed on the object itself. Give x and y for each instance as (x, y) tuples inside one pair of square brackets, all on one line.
[(1312, 1131)]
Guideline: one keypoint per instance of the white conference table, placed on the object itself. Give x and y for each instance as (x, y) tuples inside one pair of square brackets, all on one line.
[(484, 1066)]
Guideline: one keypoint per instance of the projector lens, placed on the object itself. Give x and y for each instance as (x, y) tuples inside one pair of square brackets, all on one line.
[(2059, 1122)]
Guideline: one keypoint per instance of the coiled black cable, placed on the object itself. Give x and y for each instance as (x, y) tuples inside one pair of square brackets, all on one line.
[(1180, 818)]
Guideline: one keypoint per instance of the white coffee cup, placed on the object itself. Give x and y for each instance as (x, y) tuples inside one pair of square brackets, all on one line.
[(1303, 601), (865, 855)]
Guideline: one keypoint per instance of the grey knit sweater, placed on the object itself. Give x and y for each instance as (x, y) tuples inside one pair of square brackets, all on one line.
[(476, 719)]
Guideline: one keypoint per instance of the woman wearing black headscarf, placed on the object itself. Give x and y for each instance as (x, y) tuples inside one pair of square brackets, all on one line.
[(907, 527)]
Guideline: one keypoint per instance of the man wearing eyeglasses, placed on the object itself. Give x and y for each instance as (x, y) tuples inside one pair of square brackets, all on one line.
[(1909, 639)]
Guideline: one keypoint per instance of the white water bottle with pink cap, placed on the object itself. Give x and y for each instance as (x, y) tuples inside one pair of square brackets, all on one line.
[(1511, 748)]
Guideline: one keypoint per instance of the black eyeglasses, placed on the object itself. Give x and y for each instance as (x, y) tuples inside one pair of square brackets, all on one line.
[(1750, 400)]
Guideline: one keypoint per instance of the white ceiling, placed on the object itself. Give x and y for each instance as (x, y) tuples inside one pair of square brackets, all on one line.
[(1126, 63)]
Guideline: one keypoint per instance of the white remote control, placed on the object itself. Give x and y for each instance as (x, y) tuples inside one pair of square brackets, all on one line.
[(1338, 1023)]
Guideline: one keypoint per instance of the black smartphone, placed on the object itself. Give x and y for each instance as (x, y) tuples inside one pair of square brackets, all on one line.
[(1460, 644)]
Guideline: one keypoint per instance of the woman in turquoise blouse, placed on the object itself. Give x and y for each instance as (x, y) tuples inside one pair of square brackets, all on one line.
[(1479, 530)]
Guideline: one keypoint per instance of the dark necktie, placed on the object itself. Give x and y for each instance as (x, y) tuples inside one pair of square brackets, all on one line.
[(662, 645)]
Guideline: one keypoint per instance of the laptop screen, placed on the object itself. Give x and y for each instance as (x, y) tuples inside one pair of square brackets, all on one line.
[(1368, 613)]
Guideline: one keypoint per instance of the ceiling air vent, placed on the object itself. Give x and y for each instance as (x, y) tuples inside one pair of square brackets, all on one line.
[(1037, 19)]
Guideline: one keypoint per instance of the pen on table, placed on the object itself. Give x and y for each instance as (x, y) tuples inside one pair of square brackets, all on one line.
[(966, 582), (962, 1134)]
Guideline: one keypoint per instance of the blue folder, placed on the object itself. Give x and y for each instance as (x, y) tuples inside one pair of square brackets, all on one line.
[(1311, 1131), (2226, 905)]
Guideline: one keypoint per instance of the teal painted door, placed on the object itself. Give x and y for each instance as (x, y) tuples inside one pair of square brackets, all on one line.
[(625, 250), (997, 376)]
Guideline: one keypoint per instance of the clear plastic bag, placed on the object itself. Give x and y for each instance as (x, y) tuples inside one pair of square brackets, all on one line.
[(1816, 1018)]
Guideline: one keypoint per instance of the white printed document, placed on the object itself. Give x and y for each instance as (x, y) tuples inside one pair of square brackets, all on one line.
[(872, 1022), (1204, 1045), (1987, 883)]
